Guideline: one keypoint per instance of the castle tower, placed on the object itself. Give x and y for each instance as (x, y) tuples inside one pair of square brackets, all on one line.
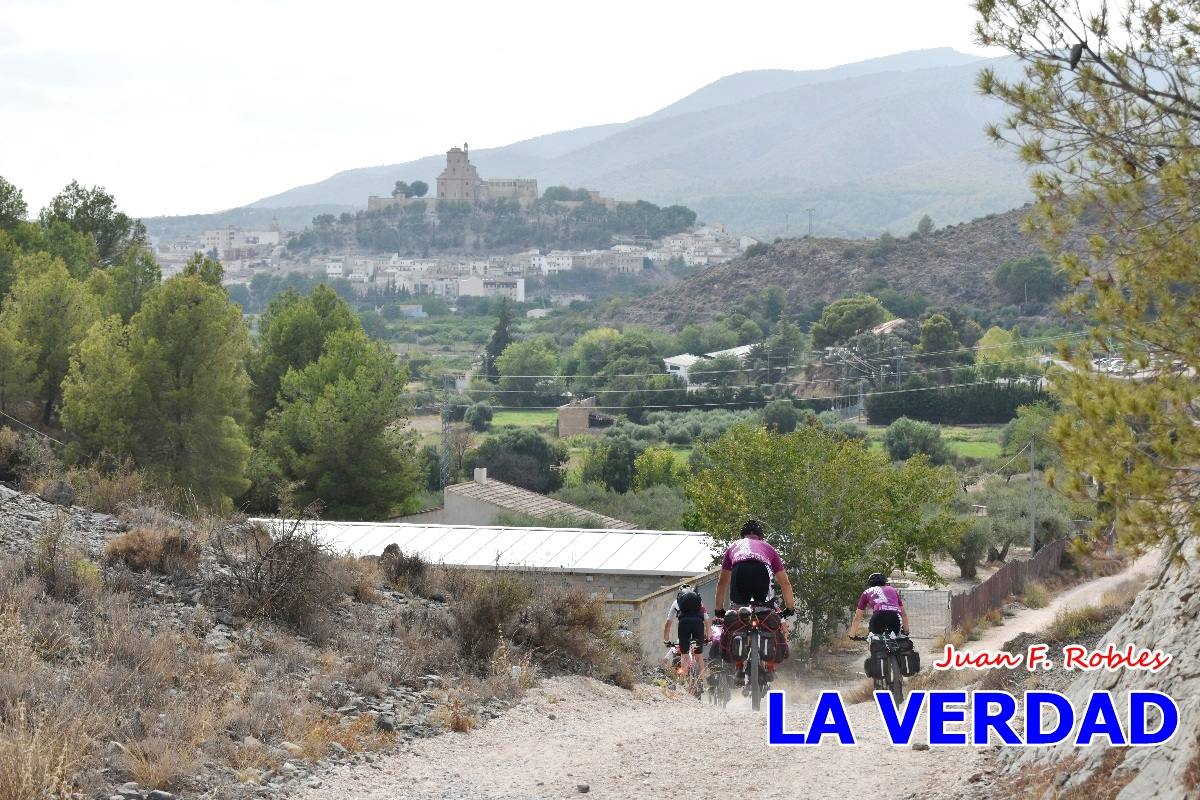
[(459, 180)]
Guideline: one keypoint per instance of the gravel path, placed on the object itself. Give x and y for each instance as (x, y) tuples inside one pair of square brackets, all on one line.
[(648, 743), (1090, 593)]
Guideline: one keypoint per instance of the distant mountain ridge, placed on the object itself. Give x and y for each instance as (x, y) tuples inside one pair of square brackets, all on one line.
[(869, 146)]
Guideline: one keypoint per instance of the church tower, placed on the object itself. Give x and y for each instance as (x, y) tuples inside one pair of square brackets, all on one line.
[(459, 180)]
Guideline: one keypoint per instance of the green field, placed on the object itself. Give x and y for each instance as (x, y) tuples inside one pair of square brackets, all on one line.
[(976, 441), (534, 418)]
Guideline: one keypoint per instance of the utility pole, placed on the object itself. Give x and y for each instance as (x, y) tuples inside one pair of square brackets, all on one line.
[(447, 383), (1032, 503)]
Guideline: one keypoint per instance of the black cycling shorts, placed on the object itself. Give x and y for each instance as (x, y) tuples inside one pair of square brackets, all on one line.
[(885, 622), (691, 629), (749, 582)]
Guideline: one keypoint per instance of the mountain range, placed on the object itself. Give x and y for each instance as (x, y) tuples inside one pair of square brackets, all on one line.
[(869, 147)]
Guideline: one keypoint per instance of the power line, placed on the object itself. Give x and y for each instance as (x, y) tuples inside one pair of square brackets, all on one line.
[(34, 430), (974, 348), (745, 404), (808, 382)]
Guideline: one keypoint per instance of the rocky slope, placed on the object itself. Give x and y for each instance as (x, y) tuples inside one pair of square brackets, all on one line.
[(1163, 617), (953, 265)]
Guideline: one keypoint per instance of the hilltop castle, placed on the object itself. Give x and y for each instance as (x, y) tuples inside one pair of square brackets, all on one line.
[(460, 182)]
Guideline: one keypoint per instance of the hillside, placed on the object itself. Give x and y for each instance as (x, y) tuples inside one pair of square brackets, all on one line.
[(870, 146), (953, 265)]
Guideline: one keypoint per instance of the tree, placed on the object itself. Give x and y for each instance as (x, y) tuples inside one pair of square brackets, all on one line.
[(291, 335), (479, 416), (337, 433), (48, 313), (522, 457), (843, 318), (1106, 113), (611, 463), (999, 355), (781, 416), (418, 189), (400, 190), (126, 285), (15, 369), (906, 438), (718, 371), (925, 226), (1030, 280), (1033, 423), (179, 411), (658, 466), (835, 510), (501, 338), (12, 205), (527, 371), (93, 211), (208, 270), (939, 345), (77, 250)]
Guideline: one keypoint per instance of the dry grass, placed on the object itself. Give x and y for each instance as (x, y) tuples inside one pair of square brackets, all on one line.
[(155, 549), (359, 578), (39, 754), (453, 716), (1036, 595), (61, 563)]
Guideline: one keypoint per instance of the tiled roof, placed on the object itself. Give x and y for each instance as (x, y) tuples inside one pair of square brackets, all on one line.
[(523, 501)]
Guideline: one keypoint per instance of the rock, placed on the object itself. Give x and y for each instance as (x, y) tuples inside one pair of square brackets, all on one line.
[(59, 493), (159, 794), (920, 746), (337, 748), (551, 716), (386, 723), (250, 741), (130, 790), (583, 788), (292, 748)]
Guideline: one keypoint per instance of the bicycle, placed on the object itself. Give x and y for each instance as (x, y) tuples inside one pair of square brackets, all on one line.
[(757, 646), (884, 665), (691, 677)]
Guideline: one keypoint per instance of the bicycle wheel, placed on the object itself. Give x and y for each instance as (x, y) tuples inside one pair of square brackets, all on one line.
[(755, 667), (895, 680)]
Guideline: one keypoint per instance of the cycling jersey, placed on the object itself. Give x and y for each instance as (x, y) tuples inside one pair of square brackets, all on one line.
[(881, 598), (749, 549)]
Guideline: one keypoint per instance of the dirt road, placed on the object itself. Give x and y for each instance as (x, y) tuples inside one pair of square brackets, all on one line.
[(648, 743), (1035, 619), (653, 743)]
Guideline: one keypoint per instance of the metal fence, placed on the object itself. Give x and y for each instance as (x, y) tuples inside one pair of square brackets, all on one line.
[(1005, 582)]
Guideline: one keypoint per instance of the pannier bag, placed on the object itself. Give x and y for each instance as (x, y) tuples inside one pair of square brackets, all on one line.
[(910, 663), (875, 667), (772, 632), (739, 646)]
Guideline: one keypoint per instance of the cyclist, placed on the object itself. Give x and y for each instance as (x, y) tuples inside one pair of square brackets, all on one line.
[(694, 625), (887, 609), (746, 571)]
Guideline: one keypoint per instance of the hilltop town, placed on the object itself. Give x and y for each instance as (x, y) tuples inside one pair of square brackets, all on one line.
[(346, 248)]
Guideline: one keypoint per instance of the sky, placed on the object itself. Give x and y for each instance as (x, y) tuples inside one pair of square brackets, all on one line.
[(188, 107)]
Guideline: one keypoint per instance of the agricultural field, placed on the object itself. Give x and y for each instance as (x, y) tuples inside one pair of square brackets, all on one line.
[(526, 418), (979, 442)]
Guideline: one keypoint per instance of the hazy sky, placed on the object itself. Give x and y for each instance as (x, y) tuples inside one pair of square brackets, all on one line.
[(184, 106)]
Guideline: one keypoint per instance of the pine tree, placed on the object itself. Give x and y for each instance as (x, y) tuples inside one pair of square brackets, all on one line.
[(48, 313), (501, 339)]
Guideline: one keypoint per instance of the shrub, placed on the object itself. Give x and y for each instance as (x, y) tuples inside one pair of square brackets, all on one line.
[(10, 454), (283, 575), (906, 438), (1036, 595), (484, 607), (403, 571), (154, 549), (60, 563), (479, 416), (39, 755)]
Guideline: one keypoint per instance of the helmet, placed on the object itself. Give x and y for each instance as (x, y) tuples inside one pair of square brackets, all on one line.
[(753, 528), (877, 579)]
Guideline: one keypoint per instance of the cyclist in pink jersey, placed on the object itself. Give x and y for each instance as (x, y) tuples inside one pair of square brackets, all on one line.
[(887, 609), (746, 572)]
